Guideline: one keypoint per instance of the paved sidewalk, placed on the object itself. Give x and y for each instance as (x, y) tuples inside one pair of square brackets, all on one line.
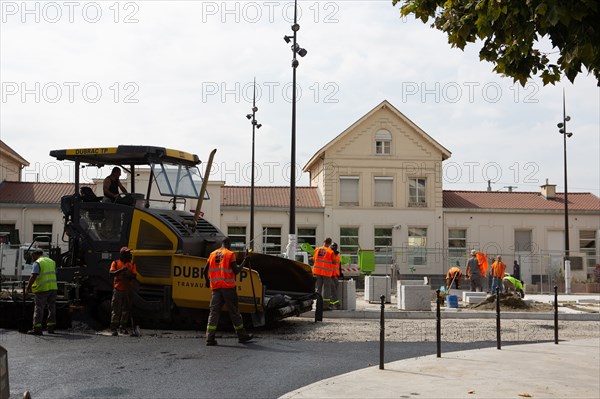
[(570, 369)]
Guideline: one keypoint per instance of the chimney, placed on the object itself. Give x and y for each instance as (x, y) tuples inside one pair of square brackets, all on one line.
[(549, 190), (489, 187)]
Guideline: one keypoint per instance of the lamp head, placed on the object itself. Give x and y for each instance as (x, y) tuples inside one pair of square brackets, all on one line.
[(287, 38), (249, 116), (295, 27), (258, 126), (302, 52), (567, 118), (569, 134), (561, 131), (560, 125), (254, 109)]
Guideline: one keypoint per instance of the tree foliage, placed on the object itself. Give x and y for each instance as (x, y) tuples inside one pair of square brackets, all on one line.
[(511, 31)]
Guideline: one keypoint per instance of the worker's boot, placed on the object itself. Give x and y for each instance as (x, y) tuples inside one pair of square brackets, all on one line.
[(243, 337), (210, 338), (35, 331)]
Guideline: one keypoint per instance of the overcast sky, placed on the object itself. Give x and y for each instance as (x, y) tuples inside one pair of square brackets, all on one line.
[(179, 74)]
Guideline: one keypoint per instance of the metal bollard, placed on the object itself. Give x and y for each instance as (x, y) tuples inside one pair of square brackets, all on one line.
[(556, 315), (319, 308), (438, 327), (498, 343), (381, 332)]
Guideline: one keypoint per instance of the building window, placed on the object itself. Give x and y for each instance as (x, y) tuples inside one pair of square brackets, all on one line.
[(417, 246), (523, 241), (272, 240), (237, 235), (383, 245), (8, 234), (383, 142), (349, 242), (587, 245), (349, 190), (416, 193), (384, 191), (457, 244), (43, 230), (307, 235)]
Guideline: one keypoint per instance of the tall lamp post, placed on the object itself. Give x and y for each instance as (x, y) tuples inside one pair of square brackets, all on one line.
[(562, 128), (255, 125), (296, 50)]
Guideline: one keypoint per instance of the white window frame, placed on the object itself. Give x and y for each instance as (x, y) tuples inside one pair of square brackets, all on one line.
[(271, 243), (235, 237), (309, 238), (417, 247), (47, 233), (383, 251), (383, 142), (455, 251), (416, 199), (349, 249)]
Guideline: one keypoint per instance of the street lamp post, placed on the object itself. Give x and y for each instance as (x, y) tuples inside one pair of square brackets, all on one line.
[(296, 49), (562, 126), (255, 125)]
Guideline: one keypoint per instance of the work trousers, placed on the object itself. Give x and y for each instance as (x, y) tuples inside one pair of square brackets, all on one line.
[(121, 309), (220, 297), (334, 299), (496, 282), (476, 283), (42, 299), (324, 289)]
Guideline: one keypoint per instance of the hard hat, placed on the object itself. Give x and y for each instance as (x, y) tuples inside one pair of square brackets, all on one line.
[(334, 246), (473, 252)]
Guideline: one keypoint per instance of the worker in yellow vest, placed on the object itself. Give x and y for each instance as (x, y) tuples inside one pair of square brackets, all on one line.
[(42, 283)]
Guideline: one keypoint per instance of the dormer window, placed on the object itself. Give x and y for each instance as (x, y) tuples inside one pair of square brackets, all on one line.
[(383, 142)]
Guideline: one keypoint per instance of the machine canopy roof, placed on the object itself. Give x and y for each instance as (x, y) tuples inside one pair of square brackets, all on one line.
[(127, 155)]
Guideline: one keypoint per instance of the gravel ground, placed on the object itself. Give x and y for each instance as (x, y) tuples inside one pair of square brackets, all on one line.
[(456, 330)]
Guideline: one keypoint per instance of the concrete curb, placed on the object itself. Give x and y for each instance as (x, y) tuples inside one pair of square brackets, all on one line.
[(398, 314)]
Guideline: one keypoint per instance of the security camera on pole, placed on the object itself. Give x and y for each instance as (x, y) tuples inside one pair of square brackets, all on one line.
[(296, 49), (255, 125), (562, 126)]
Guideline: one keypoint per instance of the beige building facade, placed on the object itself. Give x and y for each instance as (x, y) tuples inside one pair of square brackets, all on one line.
[(378, 186)]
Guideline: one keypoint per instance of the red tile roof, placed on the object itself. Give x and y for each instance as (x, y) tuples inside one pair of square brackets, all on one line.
[(275, 197), (12, 153), (34, 193), (519, 200)]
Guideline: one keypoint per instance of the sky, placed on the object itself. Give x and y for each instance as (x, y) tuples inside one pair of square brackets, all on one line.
[(178, 74)]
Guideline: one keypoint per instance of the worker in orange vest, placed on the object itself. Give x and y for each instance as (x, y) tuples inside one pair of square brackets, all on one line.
[(221, 270), (498, 270), (322, 270), (454, 274), (124, 274), (336, 271)]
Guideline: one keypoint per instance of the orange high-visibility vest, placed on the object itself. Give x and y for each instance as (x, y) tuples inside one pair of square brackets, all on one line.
[(453, 270), (337, 259), (121, 282), (323, 262), (220, 273), (498, 269)]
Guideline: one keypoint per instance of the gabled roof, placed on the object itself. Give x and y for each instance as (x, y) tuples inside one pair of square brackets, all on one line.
[(29, 193), (270, 197), (519, 200), (5, 149), (384, 104)]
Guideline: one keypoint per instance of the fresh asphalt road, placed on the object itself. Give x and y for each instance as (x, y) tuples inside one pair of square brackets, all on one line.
[(83, 365)]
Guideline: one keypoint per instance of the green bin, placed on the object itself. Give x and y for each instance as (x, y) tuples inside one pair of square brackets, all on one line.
[(366, 261)]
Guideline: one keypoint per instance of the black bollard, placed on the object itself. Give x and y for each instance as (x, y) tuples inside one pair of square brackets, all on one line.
[(438, 327), (556, 315), (498, 344), (319, 308), (381, 332)]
